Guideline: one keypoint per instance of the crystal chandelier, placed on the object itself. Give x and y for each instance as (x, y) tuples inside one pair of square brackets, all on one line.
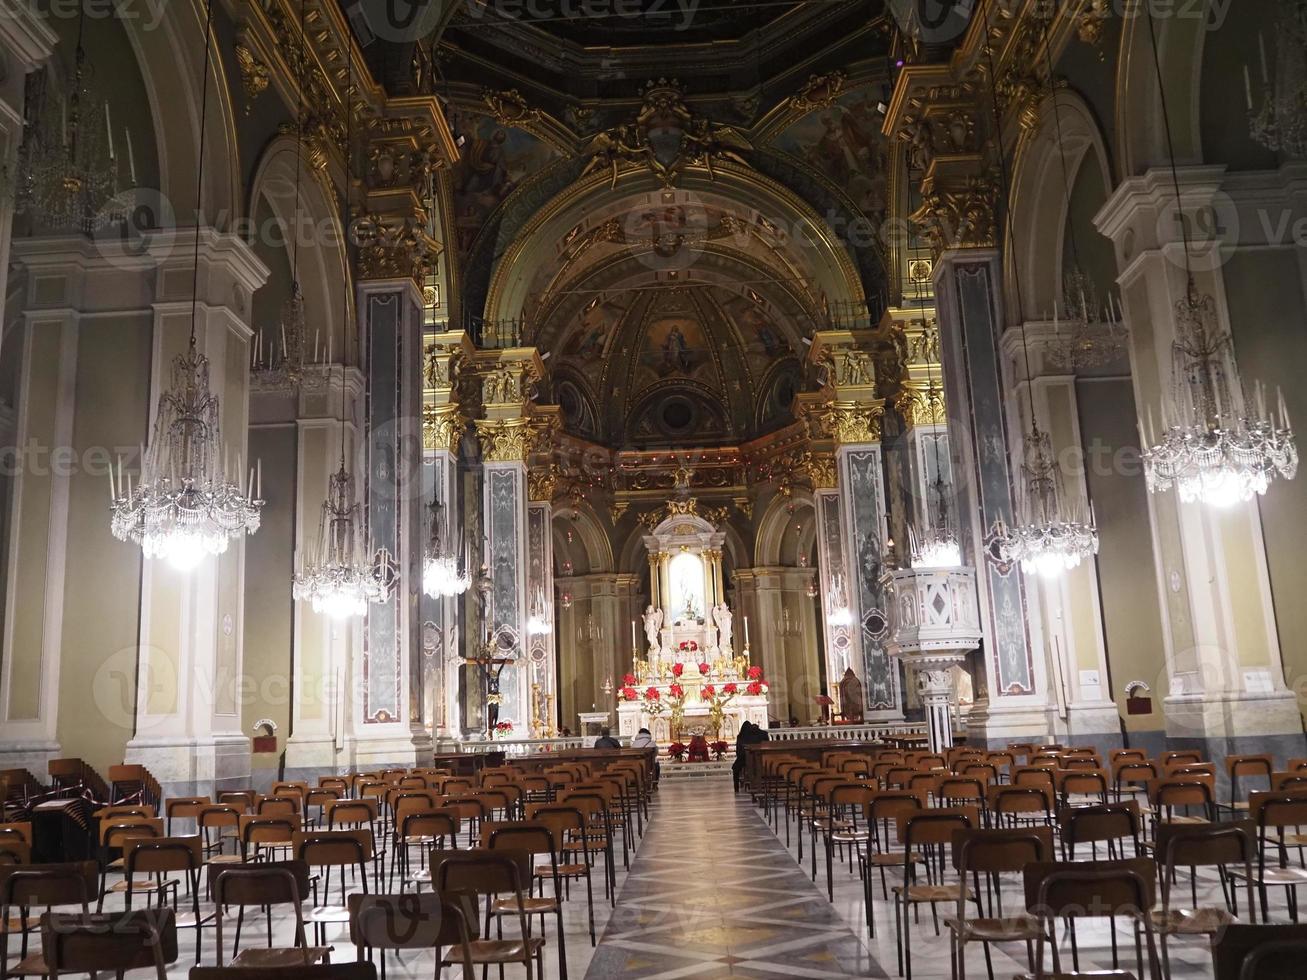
[(1087, 333), (1048, 539), (443, 573), (538, 624), (939, 546), (1213, 450), (337, 577), (67, 168), (185, 507), (839, 613), (1280, 124)]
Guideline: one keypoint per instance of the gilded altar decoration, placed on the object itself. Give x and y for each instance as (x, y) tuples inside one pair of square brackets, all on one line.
[(664, 138)]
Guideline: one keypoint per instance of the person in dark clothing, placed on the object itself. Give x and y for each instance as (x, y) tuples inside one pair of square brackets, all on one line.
[(750, 734), (606, 740)]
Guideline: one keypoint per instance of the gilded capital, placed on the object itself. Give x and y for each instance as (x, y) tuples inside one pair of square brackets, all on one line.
[(442, 427), (921, 404), (503, 441), (542, 483)]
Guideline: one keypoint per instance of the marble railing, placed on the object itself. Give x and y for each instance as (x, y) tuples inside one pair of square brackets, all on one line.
[(870, 731), (522, 746)]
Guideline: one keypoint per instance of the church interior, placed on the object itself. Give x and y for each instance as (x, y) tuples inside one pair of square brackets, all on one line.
[(653, 488)]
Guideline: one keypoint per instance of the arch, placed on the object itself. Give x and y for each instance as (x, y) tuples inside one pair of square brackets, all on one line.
[(588, 531), (828, 262), (770, 539), (1040, 190), (1140, 134), (323, 264)]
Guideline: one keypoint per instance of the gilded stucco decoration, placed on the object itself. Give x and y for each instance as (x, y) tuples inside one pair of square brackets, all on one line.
[(818, 92), (665, 137), (505, 441), (509, 108), (959, 217), (392, 249), (442, 427), (255, 75)]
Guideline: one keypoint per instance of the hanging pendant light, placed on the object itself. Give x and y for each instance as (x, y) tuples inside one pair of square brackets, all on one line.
[(343, 574), (1213, 449), (1049, 536), (186, 505), (443, 572)]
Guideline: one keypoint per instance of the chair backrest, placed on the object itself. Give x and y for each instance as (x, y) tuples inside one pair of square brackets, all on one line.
[(1099, 823), (1090, 888), (43, 885), (219, 815), (87, 942), (935, 826), (123, 811), (1206, 845), (268, 830), (1282, 809), (278, 806), (1020, 799), (325, 848), (21, 831), (1260, 952), (435, 823), (999, 851), (264, 883), (414, 920), (347, 812), (479, 871), (146, 855), (321, 971), (186, 807), (113, 832), (534, 837)]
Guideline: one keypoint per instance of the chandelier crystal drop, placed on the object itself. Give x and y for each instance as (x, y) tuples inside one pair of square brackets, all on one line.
[(1279, 123), (185, 506), (443, 572), (337, 577), (1214, 450), (1050, 538), (1087, 332)]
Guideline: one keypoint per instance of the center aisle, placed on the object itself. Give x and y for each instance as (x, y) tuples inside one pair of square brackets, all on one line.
[(713, 893)]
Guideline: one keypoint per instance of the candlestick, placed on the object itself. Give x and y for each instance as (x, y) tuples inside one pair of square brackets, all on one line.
[(108, 129), (634, 642), (131, 156), (746, 631), (1248, 86)]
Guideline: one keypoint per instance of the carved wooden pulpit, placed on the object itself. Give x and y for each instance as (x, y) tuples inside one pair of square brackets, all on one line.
[(850, 698)]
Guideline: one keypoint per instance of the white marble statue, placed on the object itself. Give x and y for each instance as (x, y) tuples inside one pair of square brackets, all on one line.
[(721, 615), (653, 624)]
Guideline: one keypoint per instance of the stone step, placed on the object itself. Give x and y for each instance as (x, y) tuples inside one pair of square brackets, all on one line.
[(695, 770)]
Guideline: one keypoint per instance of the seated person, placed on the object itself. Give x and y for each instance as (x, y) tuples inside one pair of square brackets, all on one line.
[(606, 740)]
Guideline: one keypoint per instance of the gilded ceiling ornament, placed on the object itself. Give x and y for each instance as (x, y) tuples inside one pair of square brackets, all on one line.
[(442, 427), (690, 506), (1092, 22), (509, 108), (502, 441), (393, 163), (650, 519), (255, 75), (818, 92), (716, 516), (744, 505), (665, 137), (617, 508)]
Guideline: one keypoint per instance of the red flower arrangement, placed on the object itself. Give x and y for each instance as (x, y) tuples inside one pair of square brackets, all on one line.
[(689, 645), (676, 691), (730, 688), (652, 694), (754, 689), (630, 694), (628, 680), (719, 749), (707, 691), (755, 673), (678, 669), (705, 670), (676, 750)]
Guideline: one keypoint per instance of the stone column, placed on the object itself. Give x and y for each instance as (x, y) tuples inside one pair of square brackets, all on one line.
[(188, 711), (1223, 660), (27, 730), (1065, 611), (841, 644), (443, 424), (323, 649), (506, 438), (850, 415), (541, 658)]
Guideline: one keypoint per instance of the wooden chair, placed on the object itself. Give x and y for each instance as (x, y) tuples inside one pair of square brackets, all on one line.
[(426, 829), (492, 875), (926, 828), (332, 849), (1276, 812), (165, 855), (993, 853), (411, 921), (1260, 952), (39, 886), (1097, 889), (265, 884), (116, 941), (1106, 823), (536, 840), (1245, 767), (567, 824), (185, 808)]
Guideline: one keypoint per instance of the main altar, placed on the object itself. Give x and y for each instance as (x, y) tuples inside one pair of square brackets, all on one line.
[(690, 680)]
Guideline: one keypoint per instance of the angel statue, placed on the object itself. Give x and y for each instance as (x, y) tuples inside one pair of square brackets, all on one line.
[(653, 624), (722, 617)]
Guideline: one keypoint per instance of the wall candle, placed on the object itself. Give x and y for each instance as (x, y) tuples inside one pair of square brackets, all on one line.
[(746, 631), (634, 641)]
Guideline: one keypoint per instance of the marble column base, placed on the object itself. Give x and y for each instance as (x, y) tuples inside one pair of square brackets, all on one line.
[(391, 748), (995, 726), (313, 752), (34, 756), (191, 766)]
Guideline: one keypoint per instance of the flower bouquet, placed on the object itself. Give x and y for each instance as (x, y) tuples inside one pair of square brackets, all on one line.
[(719, 749), (705, 670), (678, 669), (677, 750), (689, 646), (629, 693), (503, 730)]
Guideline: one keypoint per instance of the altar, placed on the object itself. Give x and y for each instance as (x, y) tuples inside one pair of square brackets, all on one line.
[(690, 680)]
